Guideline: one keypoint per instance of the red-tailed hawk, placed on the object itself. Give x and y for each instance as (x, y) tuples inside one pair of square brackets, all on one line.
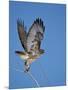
[(30, 41)]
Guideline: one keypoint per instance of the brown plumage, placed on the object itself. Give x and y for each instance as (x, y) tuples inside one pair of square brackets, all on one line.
[(30, 41)]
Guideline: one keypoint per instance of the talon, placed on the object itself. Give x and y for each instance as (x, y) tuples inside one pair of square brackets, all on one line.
[(27, 66)]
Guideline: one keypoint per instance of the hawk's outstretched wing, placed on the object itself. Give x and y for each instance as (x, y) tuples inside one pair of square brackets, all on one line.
[(35, 35), (22, 34)]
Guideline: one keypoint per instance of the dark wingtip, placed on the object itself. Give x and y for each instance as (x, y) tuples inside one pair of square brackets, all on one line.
[(40, 22), (15, 51), (43, 28), (19, 22), (18, 52)]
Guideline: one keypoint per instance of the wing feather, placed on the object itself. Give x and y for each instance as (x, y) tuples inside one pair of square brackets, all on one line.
[(22, 34), (35, 35)]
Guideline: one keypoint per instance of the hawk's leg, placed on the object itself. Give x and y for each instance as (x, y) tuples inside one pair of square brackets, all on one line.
[(27, 66)]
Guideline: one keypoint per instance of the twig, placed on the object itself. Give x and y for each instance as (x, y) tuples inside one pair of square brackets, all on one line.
[(42, 69), (33, 79), (18, 70)]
